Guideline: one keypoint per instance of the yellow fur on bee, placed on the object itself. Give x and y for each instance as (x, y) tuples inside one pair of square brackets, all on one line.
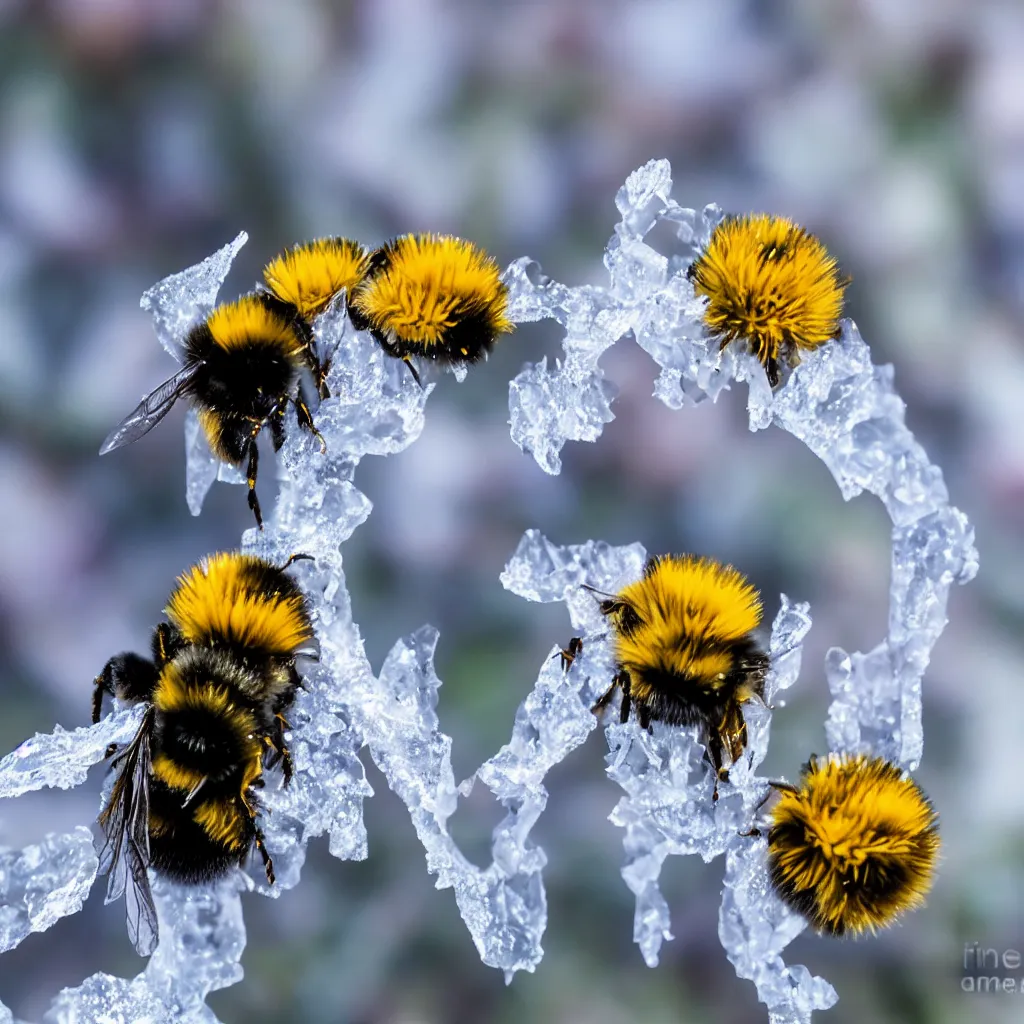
[(308, 276), (217, 599), (430, 283), (854, 845), (247, 322), (173, 695), (769, 281), (176, 776), (225, 821), (213, 427), (690, 610)]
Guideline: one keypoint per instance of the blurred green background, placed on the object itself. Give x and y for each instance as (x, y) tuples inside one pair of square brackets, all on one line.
[(136, 136)]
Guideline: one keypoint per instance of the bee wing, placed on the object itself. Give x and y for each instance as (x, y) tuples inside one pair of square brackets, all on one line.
[(150, 411), (125, 854)]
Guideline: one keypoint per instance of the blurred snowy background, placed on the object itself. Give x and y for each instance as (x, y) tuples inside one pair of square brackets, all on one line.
[(136, 136)]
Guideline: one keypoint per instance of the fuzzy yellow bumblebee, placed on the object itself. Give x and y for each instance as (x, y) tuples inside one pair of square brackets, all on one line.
[(309, 275), (434, 296), (301, 282), (772, 283), (685, 653), (240, 600), (854, 845)]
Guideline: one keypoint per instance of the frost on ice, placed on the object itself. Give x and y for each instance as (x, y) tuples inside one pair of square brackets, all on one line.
[(837, 402)]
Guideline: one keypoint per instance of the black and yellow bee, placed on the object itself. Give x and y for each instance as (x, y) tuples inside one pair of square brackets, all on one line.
[(685, 653), (305, 279), (771, 283), (241, 370), (853, 846), (437, 297), (221, 678)]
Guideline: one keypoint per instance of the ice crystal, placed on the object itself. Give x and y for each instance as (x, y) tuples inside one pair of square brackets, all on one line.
[(842, 407), (43, 883)]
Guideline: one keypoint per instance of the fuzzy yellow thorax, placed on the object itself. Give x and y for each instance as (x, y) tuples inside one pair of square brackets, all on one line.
[(308, 276), (218, 600), (689, 609), (769, 281), (430, 283), (247, 322)]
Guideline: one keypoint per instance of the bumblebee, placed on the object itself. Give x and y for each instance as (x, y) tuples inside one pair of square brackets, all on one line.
[(221, 676), (772, 283), (685, 654), (854, 845), (305, 278), (241, 371), (434, 296)]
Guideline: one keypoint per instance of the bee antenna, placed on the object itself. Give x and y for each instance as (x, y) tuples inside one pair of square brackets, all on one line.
[(594, 590), (298, 557)]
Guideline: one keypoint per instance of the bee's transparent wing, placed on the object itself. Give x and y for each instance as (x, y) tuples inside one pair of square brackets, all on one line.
[(125, 854), (150, 411)]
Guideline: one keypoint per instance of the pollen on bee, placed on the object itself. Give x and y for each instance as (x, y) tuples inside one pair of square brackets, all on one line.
[(854, 845), (772, 283)]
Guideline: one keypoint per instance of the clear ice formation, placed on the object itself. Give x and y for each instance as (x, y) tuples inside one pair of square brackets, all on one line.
[(836, 401)]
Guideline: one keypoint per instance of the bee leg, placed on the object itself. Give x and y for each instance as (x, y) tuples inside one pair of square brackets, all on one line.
[(250, 473), (297, 557), (276, 741), (110, 751), (644, 714), (257, 832), (277, 427), (167, 642), (750, 833), (771, 368), (320, 372), (128, 677), (623, 681), (99, 687), (412, 369), (606, 698), (305, 418), (568, 654), (713, 751), (268, 863)]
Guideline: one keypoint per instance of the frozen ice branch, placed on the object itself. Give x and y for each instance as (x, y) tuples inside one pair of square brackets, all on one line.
[(842, 407)]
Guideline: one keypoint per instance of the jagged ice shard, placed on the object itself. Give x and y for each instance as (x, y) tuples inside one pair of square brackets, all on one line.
[(837, 402)]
